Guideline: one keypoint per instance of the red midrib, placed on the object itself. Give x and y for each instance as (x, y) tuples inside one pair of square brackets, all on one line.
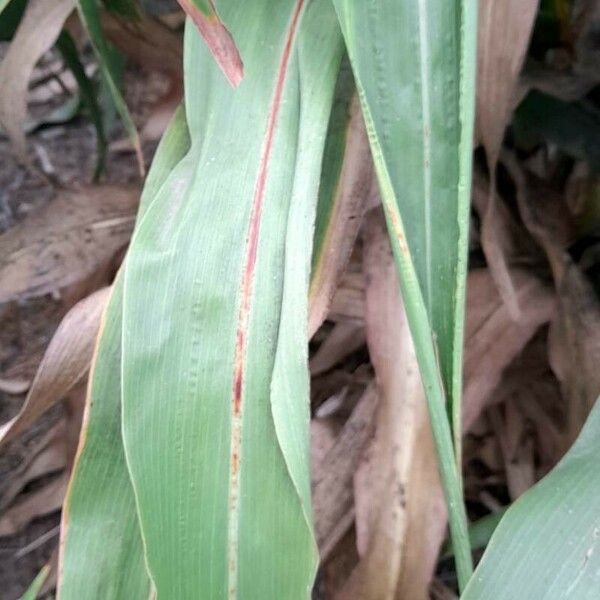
[(245, 303)]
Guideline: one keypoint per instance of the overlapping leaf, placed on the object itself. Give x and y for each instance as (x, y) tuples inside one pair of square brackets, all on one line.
[(546, 544), (414, 67), (101, 550), (215, 316)]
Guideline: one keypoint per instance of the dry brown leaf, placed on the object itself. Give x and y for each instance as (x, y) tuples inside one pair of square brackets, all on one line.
[(574, 342), (493, 338), (47, 455), (65, 362), (574, 346), (76, 235), (504, 29), (383, 484), (14, 387), (153, 46), (516, 446), (37, 32), (35, 504), (351, 199), (332, 475), (345, 338), (349, 299)]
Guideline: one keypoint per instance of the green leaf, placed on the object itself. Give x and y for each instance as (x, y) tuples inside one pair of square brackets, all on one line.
[(217, 37), (102, 554), (414, 67), (36, 585), (215, 378), (546, 546), (106, 55), (68, 50)]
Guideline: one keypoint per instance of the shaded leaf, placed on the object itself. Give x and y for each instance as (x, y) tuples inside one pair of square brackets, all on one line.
[(345, 184), (36, 585), (68, 50), (65, 363), (545, 545), (383, 479), (65, 242), (503, 31), (105, 54), (42, 501), (332, 476), (493, 339)]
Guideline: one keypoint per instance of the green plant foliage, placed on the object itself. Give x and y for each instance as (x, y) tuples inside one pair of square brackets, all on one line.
[(102, 554), (414, 68), (36, 585), (546, 546), (215, 379), (107, 60), (68, 50)]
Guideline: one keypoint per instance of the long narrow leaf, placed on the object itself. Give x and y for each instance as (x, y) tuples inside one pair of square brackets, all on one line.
[(546, 545), (90, 16), (346, 179), (215, 379), (101, 545), (415, 84)]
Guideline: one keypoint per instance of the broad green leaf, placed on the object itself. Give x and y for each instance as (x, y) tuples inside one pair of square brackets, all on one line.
[(414, 68), (106, 55), (101, 551), (215, 378), (546, 545)]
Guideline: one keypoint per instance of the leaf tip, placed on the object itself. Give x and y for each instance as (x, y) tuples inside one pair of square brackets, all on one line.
[(218, 39)]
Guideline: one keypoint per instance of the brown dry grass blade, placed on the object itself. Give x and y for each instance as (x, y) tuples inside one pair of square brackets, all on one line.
[(383, 483), (37, 32), (493, 339), (332, 474), (70, 239), (153, 46), (35, 504), (574, 341), (349, 205), (65, 362), (574, 346), (504, 29), (46, 455)]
